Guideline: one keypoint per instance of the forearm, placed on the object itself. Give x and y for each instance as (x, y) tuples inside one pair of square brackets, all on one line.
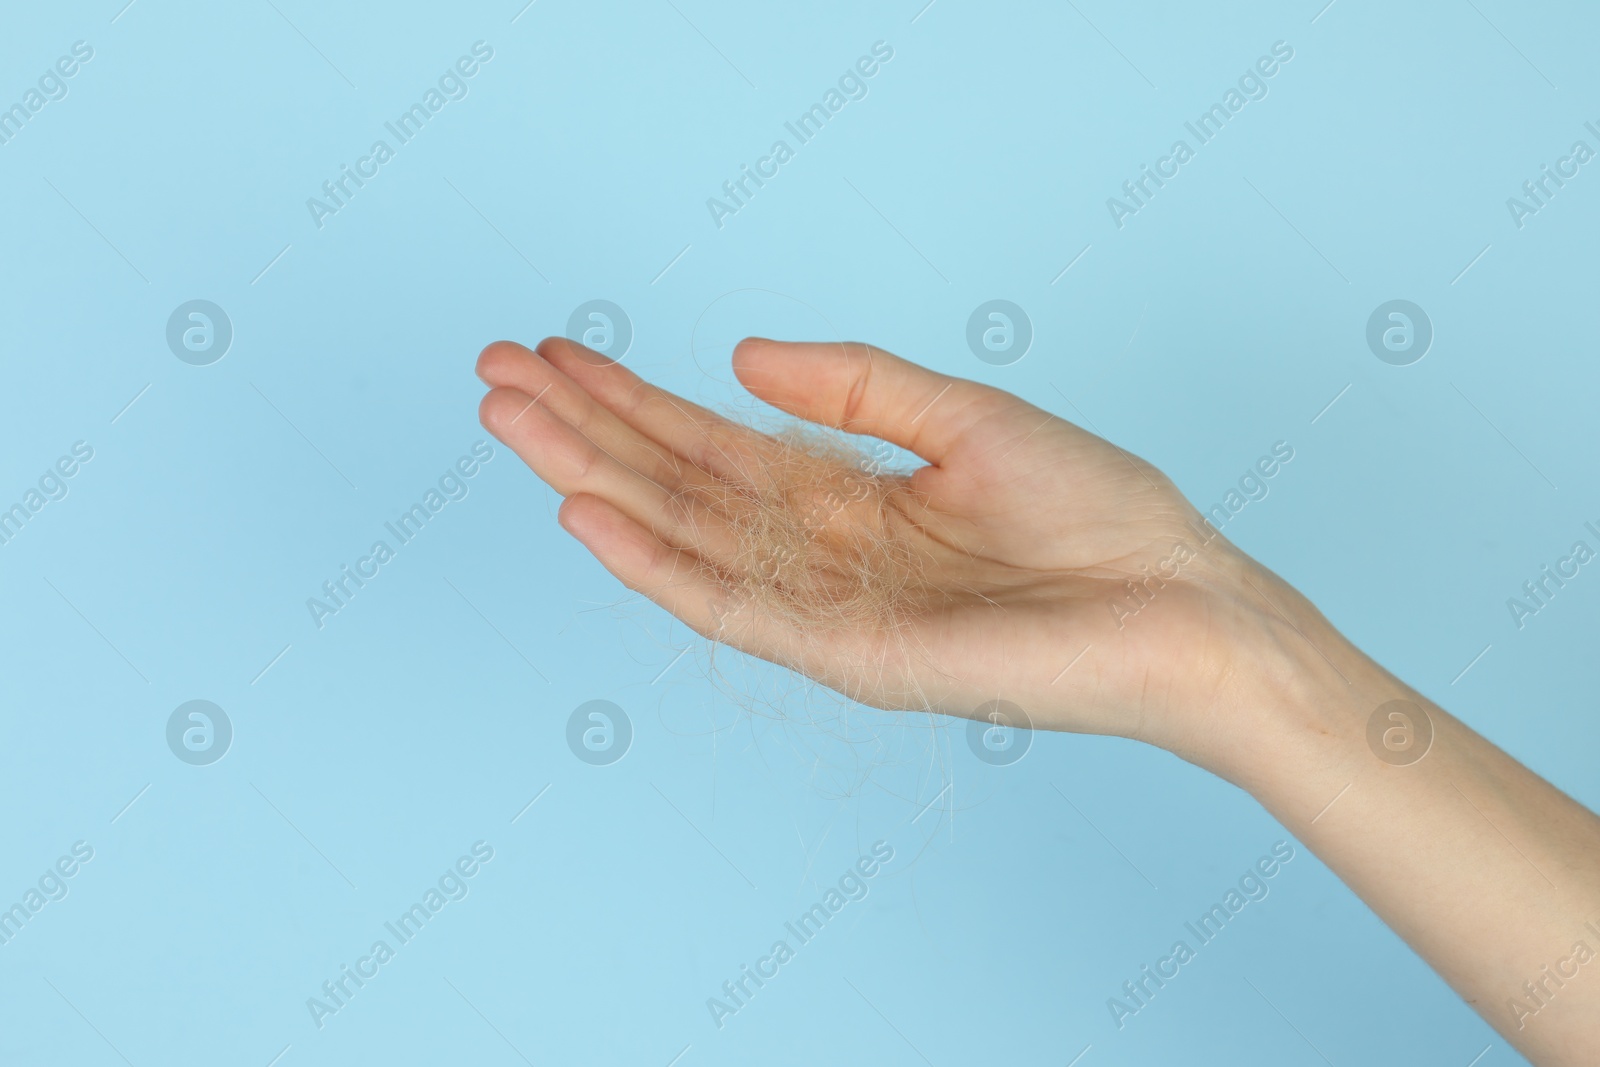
[(1490, 873)]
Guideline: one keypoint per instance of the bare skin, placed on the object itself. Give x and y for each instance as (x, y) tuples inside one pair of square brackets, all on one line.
[(1031, 529)]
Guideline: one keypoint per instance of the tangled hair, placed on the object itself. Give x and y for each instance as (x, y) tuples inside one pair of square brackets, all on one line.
[(818, 535), (818, 524)]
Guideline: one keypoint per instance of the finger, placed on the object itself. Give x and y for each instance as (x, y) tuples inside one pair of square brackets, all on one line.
[(672, 578), (506, 363), (709, 441), (571, 463), (861, 389)]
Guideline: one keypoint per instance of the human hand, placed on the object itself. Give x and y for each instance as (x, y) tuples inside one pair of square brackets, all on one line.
[(1030, 561), (1001, 571)]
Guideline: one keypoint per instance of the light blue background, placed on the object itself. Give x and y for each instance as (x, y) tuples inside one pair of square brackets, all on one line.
[(1222, 318)]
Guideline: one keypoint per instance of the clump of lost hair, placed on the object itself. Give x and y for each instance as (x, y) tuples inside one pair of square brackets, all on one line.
[(823, 542), (818, 525)]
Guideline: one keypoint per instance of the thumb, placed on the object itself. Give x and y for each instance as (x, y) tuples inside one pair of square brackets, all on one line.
[(862, 389)]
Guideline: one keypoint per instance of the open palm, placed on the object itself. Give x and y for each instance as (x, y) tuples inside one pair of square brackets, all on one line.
[(1030, 561)]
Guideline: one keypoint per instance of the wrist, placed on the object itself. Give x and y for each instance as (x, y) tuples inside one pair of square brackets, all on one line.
[(1299, 699)]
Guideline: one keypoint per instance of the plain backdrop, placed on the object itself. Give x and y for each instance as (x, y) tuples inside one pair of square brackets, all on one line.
[(371, 752)]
